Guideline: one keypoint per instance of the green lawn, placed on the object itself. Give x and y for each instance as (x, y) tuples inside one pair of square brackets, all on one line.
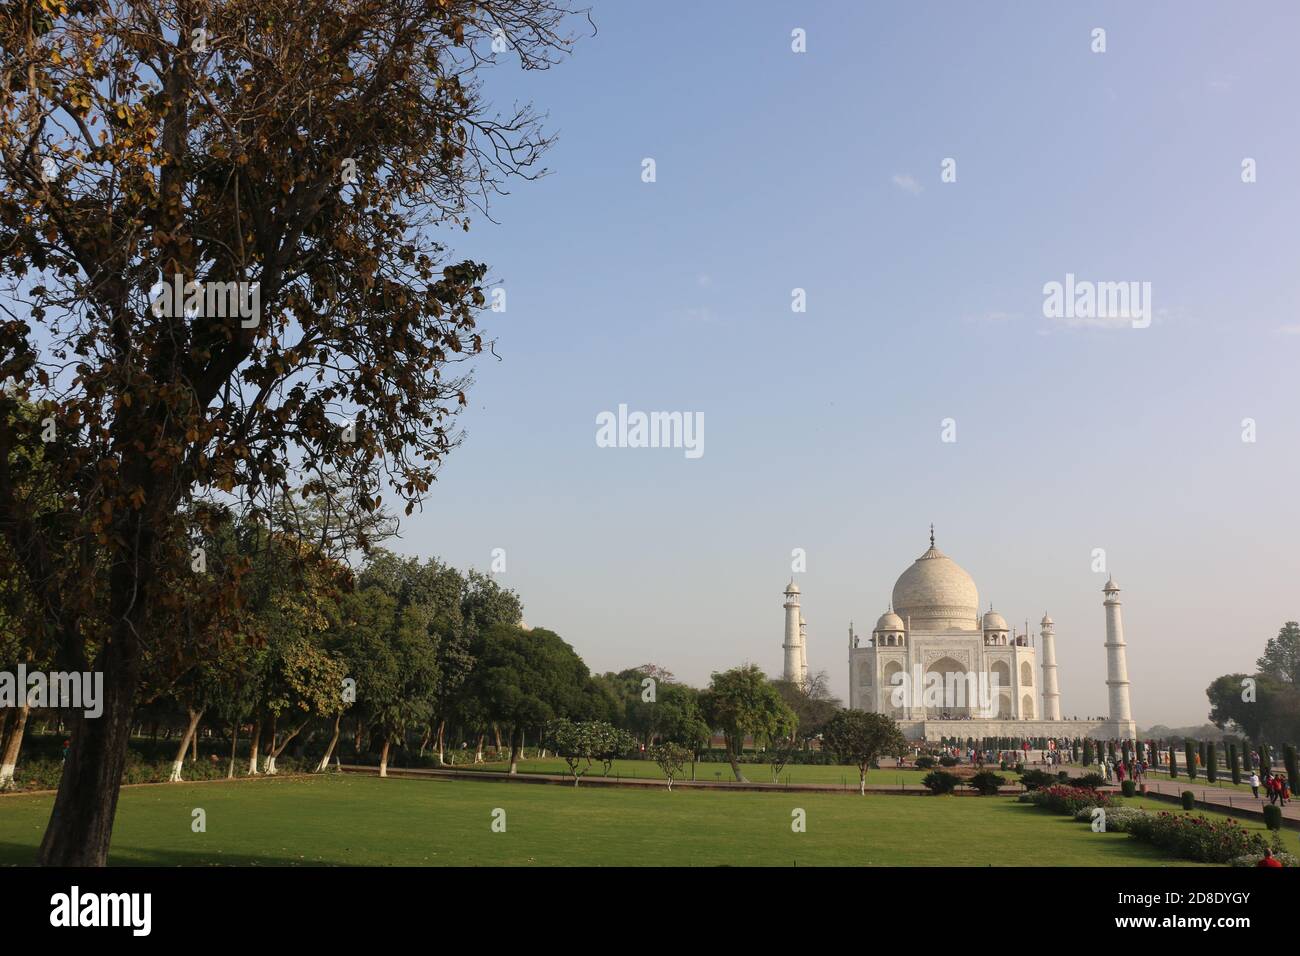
[(353, 820), (756, 773)]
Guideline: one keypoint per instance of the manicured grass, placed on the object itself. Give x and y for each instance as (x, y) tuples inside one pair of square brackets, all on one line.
[(756, 773), (354, 820)]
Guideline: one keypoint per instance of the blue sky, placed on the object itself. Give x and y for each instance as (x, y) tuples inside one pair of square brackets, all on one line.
[(821, 171)]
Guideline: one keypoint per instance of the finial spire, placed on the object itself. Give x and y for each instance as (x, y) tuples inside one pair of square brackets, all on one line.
[(932, 534)]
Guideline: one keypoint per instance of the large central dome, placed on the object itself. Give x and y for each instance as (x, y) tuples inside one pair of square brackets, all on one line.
[(937, 593)]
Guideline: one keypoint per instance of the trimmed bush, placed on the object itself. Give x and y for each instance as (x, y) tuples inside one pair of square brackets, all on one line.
[(1272, 816), (986, 783), (1118, 819), (1189, 752), (941, 782), (1036, 779), (947, 761), (1234, 763), (1292, 771), (924, 763), (1173, 763), (1211, 762), (1090, 781), (1128, 788), (1189, 800)]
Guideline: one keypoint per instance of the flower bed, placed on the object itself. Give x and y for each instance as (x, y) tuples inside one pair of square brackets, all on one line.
[(1252, 859), (1197, 837), (1068, 800)]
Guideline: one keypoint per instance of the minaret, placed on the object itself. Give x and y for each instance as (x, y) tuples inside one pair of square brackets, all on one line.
[(803, 651), (1121, 724), (792, 618), (1051, 693)]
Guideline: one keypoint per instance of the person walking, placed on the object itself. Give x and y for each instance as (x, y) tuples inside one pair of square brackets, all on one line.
[(1254, 784), (1269, 860)]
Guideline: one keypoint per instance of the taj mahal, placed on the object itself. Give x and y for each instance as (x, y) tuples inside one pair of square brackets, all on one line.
[(941, 668)]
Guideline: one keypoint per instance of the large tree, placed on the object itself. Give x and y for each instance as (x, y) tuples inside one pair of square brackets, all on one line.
[(861, 738), (288, 160), (522, 680), (742, 702)]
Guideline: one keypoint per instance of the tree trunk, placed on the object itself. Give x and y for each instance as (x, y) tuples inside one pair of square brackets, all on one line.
[(252, 747), (478, 753), (442, 740), (734, 761), (194, 746), (862, 781), (191, 731), (271, 753), (383, 759), (329, 751), (516, 745), (234, 744), (81, 823), (13, 744), (496, 731)]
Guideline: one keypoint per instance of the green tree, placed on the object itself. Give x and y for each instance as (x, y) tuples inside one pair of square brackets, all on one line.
[(523, 679), (1281, 660), (1211, 762), (1189, 752), (267, 167), (580, 743), (812, 703), (1234, 763), (740, 702), (671, 758), (681, 721), (862, 738)]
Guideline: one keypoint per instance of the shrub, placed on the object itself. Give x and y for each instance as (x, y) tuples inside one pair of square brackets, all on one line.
[(1189, 800), (1234, 763), (1173, 763), (940, 781), (1272, 816), (947, 761), (1118, 819), (924, 763), (1128, 788), (1090, 781), (1196, 838), (986, 782), (1211, 762), (1036, 779), (1068, 800)]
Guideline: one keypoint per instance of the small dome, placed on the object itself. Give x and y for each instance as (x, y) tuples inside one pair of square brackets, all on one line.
[(1047, 620), (792, 588), (993, 621), (889, 621), (1111, 585)]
